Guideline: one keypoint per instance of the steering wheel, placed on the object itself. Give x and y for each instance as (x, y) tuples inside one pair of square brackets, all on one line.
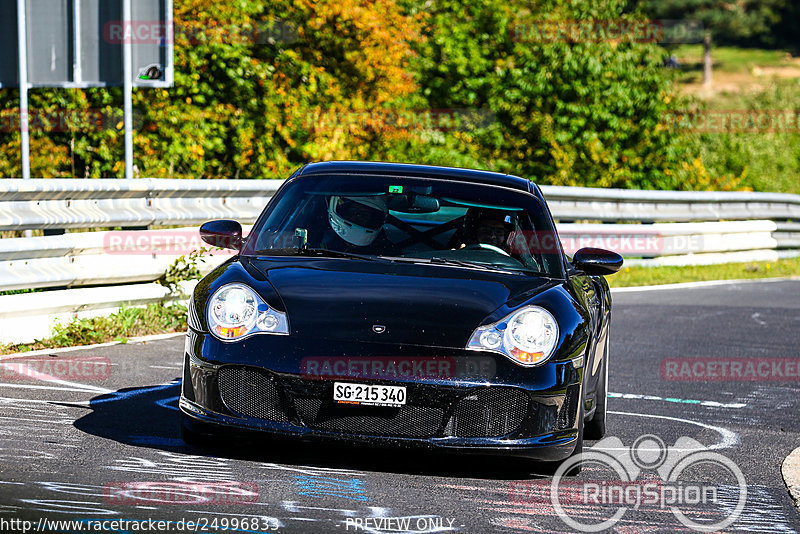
[(485, 246)]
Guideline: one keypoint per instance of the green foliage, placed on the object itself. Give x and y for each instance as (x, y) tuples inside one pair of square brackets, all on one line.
[(244, 101), (567, 113), (263, 87), (764, 160), (183, 268), (126, 322)]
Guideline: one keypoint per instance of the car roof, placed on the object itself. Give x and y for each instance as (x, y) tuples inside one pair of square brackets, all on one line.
[(408, 169)]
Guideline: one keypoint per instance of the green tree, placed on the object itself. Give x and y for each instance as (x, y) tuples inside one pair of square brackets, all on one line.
[(730, 21), (585, 111), (741, 22)]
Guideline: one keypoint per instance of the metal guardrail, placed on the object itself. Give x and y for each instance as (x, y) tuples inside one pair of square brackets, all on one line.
[(97, 258), (77, 203), (74, 203), (669, 206), (624, 205), (669, 227)]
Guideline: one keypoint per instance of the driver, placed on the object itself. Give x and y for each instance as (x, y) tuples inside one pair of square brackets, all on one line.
[(484, 226), (358, 220)]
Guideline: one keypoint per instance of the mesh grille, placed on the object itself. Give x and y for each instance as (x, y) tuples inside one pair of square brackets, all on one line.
[(492, 412), (566, 417), (543, 418), (406, 421), (251, 392)]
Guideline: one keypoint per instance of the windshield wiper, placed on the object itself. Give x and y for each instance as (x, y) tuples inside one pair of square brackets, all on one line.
[(473, 265), (448, 261), (314, 252)]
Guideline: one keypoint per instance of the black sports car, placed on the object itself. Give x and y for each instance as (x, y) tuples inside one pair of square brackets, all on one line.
[(395, 304)]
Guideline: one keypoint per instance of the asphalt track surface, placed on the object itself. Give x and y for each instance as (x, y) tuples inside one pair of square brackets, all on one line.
[(67, 447)]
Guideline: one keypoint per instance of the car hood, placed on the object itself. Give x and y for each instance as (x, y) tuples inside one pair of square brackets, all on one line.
[(413, 304)]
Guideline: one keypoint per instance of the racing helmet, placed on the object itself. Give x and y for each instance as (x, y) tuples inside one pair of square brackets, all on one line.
[(357, 220)]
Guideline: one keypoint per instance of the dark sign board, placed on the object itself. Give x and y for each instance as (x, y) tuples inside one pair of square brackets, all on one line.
[(78, 43)]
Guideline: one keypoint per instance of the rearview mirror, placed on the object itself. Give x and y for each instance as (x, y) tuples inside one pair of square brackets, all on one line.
[(413, 203), (223, 234), (597, 261)]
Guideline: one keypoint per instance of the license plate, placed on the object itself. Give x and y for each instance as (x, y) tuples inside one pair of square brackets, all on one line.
[(368, 395)]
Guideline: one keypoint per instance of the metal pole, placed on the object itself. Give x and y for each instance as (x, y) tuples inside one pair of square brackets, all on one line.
[(127, 66), (77, 67), (22, 38)]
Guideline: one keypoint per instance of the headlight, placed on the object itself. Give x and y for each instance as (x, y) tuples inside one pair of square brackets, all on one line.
[(527, 337), (235, 311)]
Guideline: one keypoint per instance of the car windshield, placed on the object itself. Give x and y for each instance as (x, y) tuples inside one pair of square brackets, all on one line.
[(409, 219)]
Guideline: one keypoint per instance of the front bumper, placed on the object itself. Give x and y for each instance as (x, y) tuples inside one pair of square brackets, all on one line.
[(519, 412)]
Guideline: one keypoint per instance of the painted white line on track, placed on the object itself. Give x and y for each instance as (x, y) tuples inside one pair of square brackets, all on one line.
[(707, 283), (729, 438), (710, 404), (40, 401), (34, 386), (53, 421), (226, 513)]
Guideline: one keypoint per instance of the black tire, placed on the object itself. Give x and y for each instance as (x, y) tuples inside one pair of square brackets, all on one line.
[(596, 427)]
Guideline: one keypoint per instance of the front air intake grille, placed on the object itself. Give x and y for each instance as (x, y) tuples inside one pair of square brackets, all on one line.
[(252, 392), (566, 416), (492, 412), (406, 421)]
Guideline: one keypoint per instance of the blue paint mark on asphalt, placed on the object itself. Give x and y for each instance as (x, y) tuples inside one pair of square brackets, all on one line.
[(120, 395), (312, 486)]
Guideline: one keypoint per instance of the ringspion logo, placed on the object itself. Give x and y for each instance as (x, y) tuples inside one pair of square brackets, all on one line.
[(703, 489)]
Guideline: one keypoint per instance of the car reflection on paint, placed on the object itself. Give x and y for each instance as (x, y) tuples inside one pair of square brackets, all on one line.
[(402, 305)]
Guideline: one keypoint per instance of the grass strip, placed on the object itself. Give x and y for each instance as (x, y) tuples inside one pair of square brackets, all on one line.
[(646, 276), (125, 323)]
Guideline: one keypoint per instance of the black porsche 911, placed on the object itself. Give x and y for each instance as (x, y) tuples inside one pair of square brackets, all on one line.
[(402, 305)]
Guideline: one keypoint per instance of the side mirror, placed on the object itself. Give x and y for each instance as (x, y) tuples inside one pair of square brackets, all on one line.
[(597, 261), (223, 234)]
